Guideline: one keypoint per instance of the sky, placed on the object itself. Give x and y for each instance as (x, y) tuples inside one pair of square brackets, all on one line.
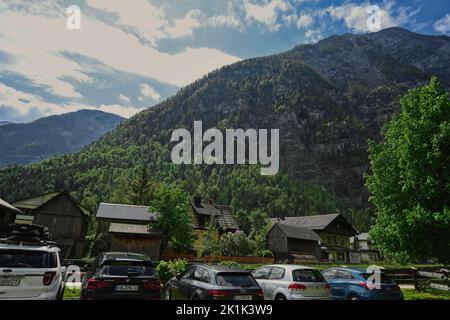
[(130, 55)]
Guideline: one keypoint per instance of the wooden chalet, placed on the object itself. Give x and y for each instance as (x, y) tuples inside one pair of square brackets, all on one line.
[(66, 219), (8, 215), (333, 230), (202, 213), (128, 228)]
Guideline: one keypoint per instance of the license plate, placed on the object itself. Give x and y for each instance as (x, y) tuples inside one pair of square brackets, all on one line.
[(9, 282), (242, 297), (127, 287)]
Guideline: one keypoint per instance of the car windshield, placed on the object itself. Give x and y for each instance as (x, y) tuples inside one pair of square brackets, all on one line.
[(307, 275), (235, 280), (383, 277), (27, 259), (127, 268)]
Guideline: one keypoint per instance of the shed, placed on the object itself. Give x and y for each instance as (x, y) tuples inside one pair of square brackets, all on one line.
[(66, 220)]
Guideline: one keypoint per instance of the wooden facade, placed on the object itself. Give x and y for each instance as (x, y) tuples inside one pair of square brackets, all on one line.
[(287, 242), (7, 216), (66, 219), (125, 228)]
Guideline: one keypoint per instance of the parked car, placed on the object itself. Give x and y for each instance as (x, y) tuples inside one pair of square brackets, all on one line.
[(206, 282), (292, 282), (352, 284), (30, 268), (121, 275)]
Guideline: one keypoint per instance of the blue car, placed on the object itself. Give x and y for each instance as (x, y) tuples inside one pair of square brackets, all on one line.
[(352, 284)]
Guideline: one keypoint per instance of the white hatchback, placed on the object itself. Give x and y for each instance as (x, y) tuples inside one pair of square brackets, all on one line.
[(292, 282), (31, 272)]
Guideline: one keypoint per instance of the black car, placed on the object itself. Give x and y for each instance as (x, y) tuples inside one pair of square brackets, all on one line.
[(119, 275), (205, 282)]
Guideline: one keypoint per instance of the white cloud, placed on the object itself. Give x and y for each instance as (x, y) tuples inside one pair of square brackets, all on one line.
[(148, 91), (126, 112), (142, 16), (305, 20), (443, 24), (266, 13), (224, 21), (355, 16), (184, 27), (125, 98), (313, 35)]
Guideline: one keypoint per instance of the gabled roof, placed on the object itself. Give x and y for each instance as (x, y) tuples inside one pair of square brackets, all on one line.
[(318, 222), (39, 200), (226, 219), (6, 205), (297, 232), (125, 212), (36, 201), (205, 209)]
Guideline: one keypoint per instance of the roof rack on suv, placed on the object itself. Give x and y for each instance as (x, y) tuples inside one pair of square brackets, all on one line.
[(27, 234)]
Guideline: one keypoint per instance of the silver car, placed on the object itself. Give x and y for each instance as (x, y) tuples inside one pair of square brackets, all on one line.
[(292, 282)]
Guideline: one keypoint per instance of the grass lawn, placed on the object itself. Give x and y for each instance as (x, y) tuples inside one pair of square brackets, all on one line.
[(411, 294), (71, 294)]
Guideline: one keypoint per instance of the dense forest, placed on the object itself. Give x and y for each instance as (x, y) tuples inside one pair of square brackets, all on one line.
[(327, 99)]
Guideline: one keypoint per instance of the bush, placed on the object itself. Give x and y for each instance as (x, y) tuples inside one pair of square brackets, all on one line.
[(231, 264), (236, 244), (265, 253), (166, 270)]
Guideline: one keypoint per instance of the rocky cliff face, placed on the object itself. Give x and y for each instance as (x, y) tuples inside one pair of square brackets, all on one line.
[(327, 99)]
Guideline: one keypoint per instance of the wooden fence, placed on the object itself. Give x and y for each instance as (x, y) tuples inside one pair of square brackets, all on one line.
[(422, 278)]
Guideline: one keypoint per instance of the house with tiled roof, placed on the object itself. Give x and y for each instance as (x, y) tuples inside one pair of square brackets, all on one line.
[(203, 212), (333, 232)]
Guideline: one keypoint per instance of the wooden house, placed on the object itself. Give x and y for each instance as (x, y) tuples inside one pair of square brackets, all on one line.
[(202, 213), (66, 219), (364, 249), (333, 230), (128, 228), (8, 215), (293, 244)]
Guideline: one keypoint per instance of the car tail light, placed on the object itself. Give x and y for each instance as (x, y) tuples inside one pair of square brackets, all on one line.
[(218, 293), (152, 285), (97, 284), (363, 284), (48, 277), (327, 287), (260, 293), (297, 287)]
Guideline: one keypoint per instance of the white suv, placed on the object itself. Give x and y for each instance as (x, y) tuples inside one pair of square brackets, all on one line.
[(29, 271)]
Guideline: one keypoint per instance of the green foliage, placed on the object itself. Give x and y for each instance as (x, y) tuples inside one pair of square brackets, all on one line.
[(410, 179), (260, 227), (210, 242), (169, 269), (231, 264), (236, 244), (174, 216)]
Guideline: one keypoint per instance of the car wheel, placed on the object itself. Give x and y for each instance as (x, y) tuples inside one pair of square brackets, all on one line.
[(195, 297), (353, 297), (60, 295), (280, 297)]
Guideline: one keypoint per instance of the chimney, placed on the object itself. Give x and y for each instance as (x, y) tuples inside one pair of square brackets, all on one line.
[(197, 201)]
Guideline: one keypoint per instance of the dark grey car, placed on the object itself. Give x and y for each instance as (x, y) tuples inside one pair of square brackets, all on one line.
[(205, 282)]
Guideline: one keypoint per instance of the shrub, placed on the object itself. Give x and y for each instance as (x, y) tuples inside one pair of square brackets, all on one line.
[(166, 270)]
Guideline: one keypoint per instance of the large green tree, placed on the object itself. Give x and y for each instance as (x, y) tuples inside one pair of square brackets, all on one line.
[(174, 216), (410, 178)]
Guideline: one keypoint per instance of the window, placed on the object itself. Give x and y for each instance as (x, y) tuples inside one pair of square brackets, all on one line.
[(127, 268), (276, 273), (27, 259), (188, 274), (329, 274), (235, 280), (202, 274), (342, 274), (307, 275), (261, 273)]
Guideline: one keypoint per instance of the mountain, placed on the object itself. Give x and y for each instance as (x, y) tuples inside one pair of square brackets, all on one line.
[(4, 123), (45, 137), (327, 99)]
